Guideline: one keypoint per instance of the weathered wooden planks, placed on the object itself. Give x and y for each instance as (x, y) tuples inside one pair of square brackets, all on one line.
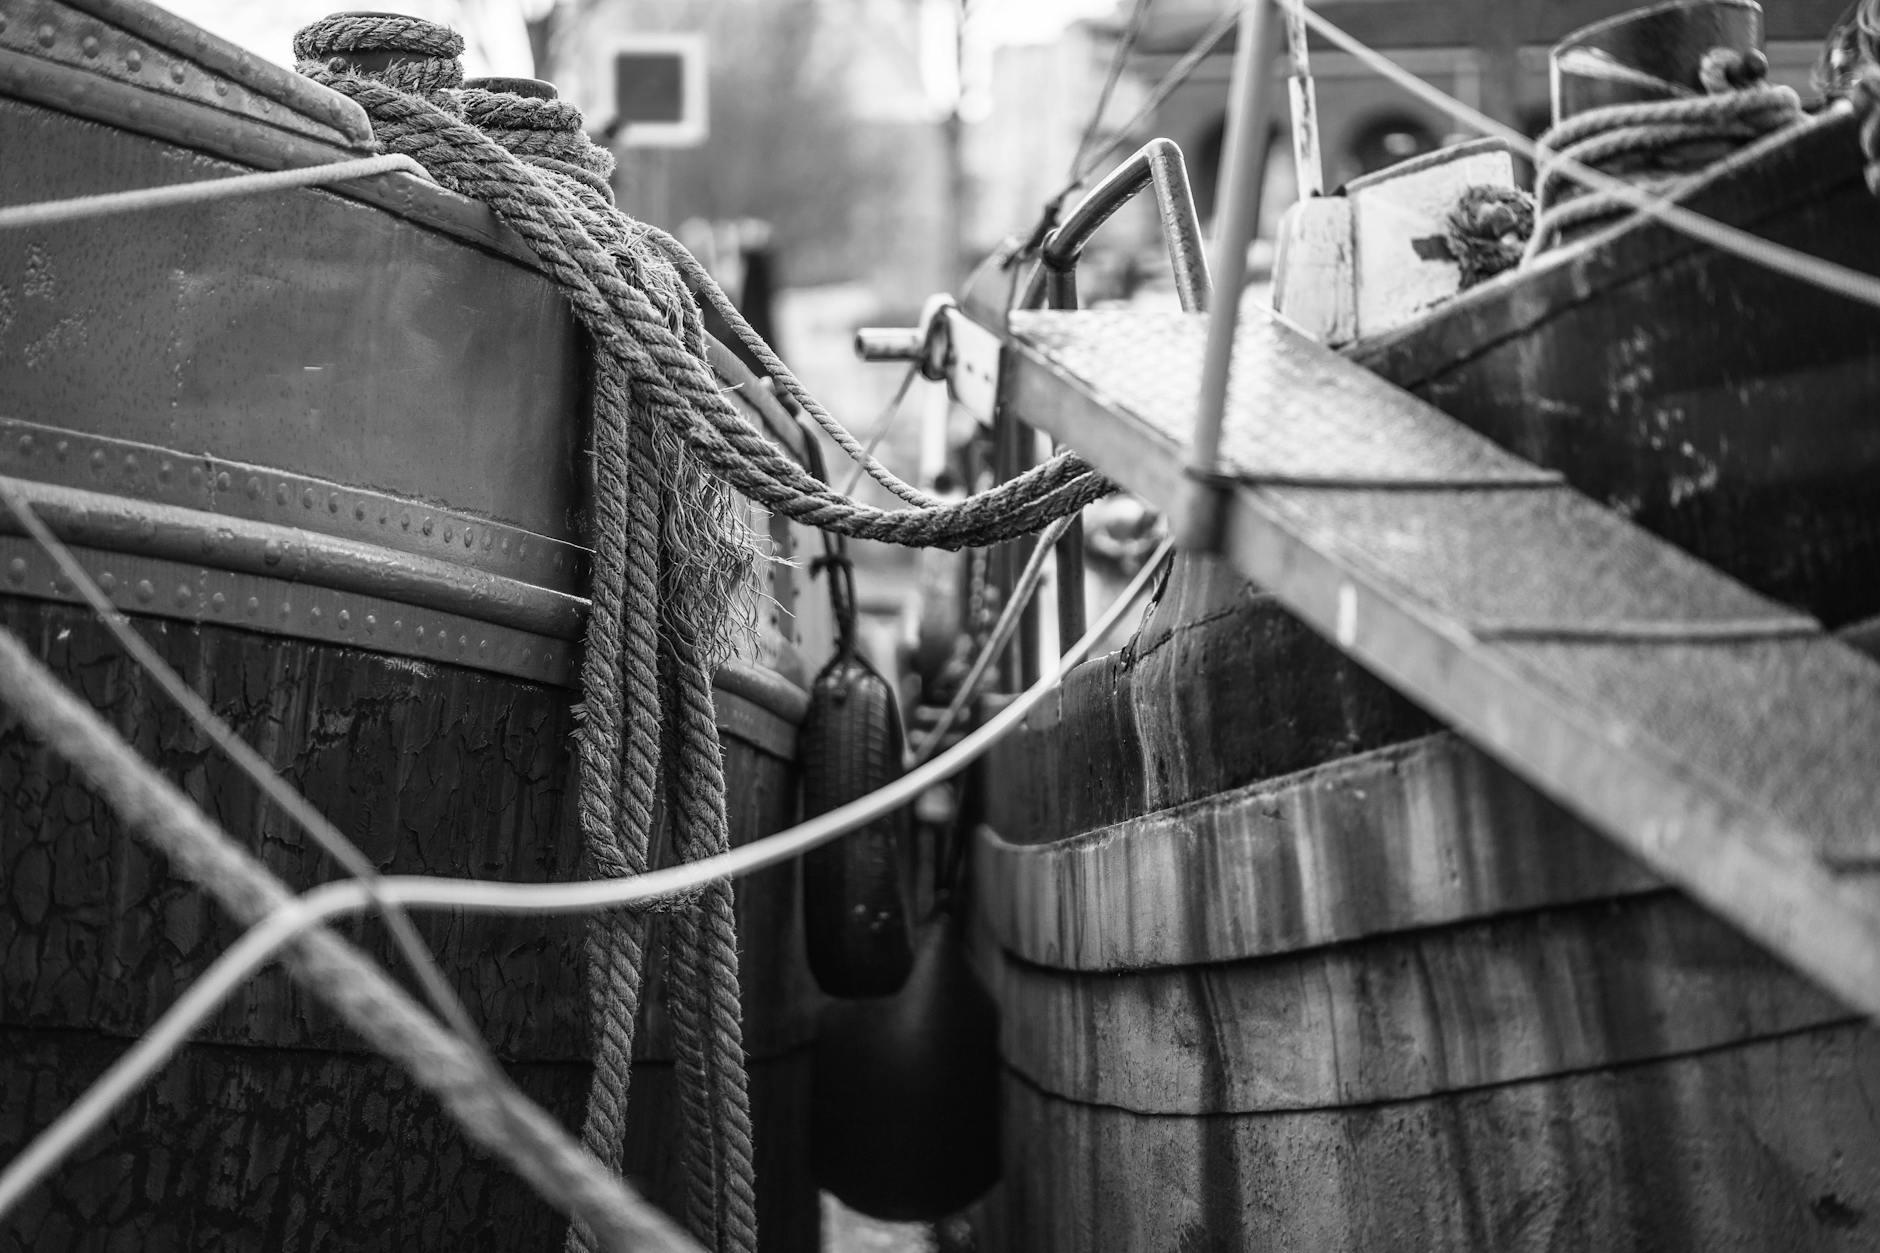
[(1223, 687), (1415, 835), (278, 1130), (1765, 1147)]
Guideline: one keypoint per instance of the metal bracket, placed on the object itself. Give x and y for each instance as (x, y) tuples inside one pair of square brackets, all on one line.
[(949, 347)]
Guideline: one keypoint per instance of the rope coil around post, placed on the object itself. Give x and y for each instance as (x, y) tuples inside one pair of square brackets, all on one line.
[(1656, 145)]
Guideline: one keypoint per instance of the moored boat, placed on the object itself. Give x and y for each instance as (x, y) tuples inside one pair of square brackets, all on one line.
[(327, 448), (1280, 963)]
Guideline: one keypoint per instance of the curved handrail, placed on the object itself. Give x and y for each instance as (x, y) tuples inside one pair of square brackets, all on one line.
[(1156, 164)]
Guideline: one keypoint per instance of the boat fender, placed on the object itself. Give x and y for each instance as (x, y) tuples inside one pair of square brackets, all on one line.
[(858, 917), (904, 1121)]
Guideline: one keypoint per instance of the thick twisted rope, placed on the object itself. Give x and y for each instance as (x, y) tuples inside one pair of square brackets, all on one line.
[(705, 556), (1655, 145), (663, 517), (677, 384), (1487, 231)]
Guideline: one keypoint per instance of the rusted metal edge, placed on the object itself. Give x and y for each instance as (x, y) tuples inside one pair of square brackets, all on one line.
[(244, 142), (157, 52), (266, 79), (754, 705), (760, 707), (1750, 864), (137, 528), (180, 591), (53, 455)]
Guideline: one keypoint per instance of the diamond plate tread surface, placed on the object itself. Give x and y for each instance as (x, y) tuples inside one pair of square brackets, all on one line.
[(1754, 717), (1718, 736), (1474, 555), (1337, 424)]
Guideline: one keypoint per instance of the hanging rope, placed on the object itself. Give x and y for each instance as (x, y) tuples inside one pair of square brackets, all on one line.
[(1657, 146), (672, 558), (704, 557)]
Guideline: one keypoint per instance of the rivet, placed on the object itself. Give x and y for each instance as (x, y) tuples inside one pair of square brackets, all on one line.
[(332, 502), (253, 606), (176, 72), (89, 45), (218, 602), (359, 512), (505, 543), (107, 581), (463, 642), (483, 648), (130, 465), (16, 570), (528, 655), (145, 592), (313, 615), (97, 461), (287, 609), (468, 539), (372, 624), (448, 537), (426, 528), (26, 445), (254, 488), (163, 471), (222, 481), (306, 498), (280, 493), (398, 626), (196, 476), (221, 87), (487, 541), (48, 35), (133, 60), (345, 619), (404, 520), (184, 595), (271, 552), (522, 549), (62, 448), (417, 632)]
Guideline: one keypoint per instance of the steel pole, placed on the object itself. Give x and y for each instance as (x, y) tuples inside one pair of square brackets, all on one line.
[(1237, 217)]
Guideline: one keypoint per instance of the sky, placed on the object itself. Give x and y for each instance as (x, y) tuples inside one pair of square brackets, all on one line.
[(497, 41)]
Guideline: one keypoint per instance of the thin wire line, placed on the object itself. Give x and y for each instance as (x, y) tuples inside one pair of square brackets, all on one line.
[(1118, 60), (883, 425), (1802, 266), (250, 763), (78, 208), (258, 946), (1002, 632), (1177, 75)]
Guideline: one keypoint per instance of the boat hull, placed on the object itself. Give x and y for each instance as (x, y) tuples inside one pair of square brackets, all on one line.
[(276, 1129), (1713, 400), (1308, 974)]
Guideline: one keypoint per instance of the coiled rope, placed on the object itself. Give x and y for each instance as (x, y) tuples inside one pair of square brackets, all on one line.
[(685, 555), (1657, 146), (670, 558)]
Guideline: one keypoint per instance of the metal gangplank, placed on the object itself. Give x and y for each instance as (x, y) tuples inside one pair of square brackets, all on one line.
[(1723, 739)]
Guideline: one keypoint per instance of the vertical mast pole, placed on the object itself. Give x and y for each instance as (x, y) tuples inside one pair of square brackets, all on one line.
[(1237, 217), (1305, 105)]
